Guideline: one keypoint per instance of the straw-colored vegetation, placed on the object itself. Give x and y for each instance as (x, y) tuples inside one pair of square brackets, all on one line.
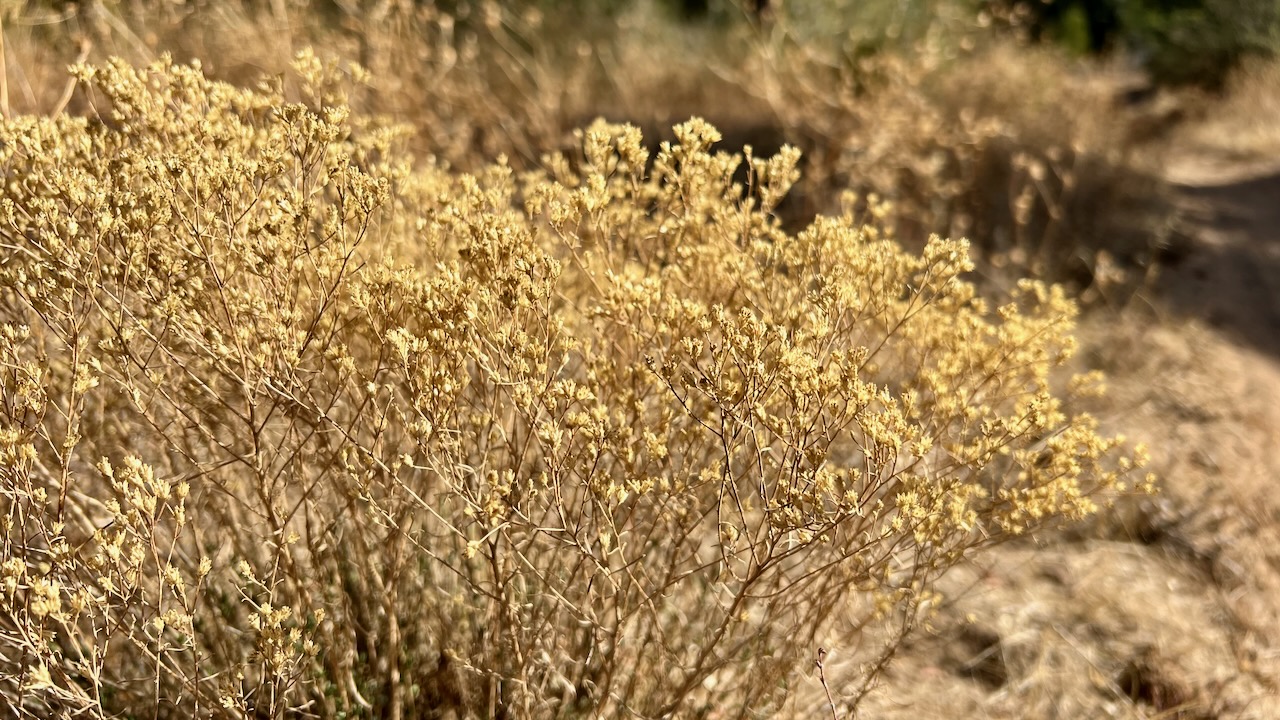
[(343, 392)]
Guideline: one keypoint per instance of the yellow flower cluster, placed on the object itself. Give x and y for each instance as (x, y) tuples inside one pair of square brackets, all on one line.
[(290, 422)]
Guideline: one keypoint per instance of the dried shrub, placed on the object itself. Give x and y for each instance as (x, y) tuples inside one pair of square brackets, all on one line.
[(1005, 144), (1239, 125), (290, 426), (474, 80)]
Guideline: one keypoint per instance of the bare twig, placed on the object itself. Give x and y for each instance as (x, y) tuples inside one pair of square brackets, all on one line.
[(822, 677)]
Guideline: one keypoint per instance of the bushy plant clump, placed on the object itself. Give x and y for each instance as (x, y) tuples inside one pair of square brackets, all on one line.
[(291, 427), (1002, 144)]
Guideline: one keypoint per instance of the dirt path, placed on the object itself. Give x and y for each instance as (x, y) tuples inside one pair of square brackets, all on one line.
[(1230, 274)]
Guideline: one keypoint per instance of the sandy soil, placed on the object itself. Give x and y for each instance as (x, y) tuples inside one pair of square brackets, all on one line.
[(1166, 607)]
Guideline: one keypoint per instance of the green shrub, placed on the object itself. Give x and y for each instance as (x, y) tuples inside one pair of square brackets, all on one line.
[(292, 427), (1178, 41)]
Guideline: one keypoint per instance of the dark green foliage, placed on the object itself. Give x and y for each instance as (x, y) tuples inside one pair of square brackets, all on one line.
[(1179, 41)]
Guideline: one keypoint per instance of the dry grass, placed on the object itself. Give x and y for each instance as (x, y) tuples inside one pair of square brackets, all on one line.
[(1241, 124), (1160, 609), (1009, 145), (587, 433), (966, 133)]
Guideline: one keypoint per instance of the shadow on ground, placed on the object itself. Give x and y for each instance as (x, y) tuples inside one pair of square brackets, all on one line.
[(1228, 275)]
